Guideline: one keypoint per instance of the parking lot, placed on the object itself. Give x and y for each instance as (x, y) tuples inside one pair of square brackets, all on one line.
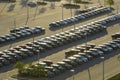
[(56, 55)]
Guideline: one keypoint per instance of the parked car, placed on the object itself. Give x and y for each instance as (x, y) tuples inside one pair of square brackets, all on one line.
[(48, 62), (53, 69), (14, 30), (80, 17), (71, 52), (111, 44), (74, 64), (89, 57), (16, 56), (9, 58), (96, 51), (84, 59), (40, 63), (106, 48), (26, 52), (115, 36), (59, 67), (4, 61), (32, 3), (65, 65), (74, 59), (16, 35), (23, 55), (50, 73), (1, 65), (2, 40)]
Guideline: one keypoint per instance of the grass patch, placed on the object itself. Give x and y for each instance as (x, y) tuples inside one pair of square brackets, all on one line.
[(116, 77), (17, 76)]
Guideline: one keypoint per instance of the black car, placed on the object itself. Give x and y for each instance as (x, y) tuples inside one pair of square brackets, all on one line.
[(32, 50), (6, 38), (9, 58), (71, 52), (74, 59), (1, 64), (48, 62), (12, 50), (54, 24), (23, 55), (2, 40), (21, 34), (44, 45), (74, 64), (112, 44), (81, 49), (59, 67), (97, 51), (30, 44), (40, 28), (102, 48), (81, 58), (27, 52), (86, 55), (27, 34), (15, 56), (53, 69), (14, 30), (115, 36), (4, 61), (12, 37), (94, 54), (16, 35), (17, 48), (65, 65), (48, 42)]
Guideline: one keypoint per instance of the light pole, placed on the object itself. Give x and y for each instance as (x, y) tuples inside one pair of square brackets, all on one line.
[(73, 73), (99, 2), (104, 2), (89, 74), (103, 66), (117, 6), (86, 52), (35, 11), (62, 16), (85, 39), (85, 6), (71, 12), (14, 29), (117, 9), (27, 15), (14, 23)]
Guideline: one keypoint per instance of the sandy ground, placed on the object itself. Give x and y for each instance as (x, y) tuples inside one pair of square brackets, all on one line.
[(46, 15)]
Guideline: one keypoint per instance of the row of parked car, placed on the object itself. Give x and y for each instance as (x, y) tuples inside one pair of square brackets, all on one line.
[(108, 19), (116, 35), (87, 9), (33, 48), (21, 32), (80, 17), (14, 30), (81, 58), (81, 48)]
